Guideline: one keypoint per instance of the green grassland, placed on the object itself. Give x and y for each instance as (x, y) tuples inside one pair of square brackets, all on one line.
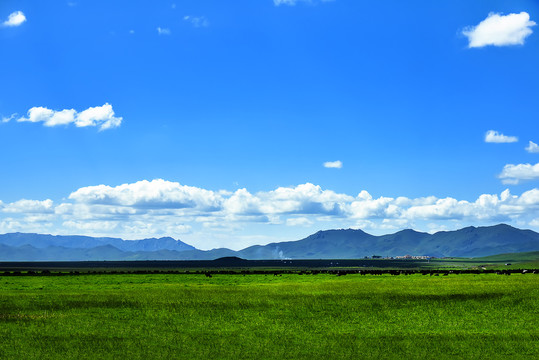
[(178, 316), (525, 260)]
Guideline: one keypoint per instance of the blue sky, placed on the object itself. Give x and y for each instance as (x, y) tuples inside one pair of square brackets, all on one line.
[(211, 121)]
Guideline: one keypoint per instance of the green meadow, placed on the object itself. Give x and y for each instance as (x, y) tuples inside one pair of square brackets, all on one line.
[(179, 316)]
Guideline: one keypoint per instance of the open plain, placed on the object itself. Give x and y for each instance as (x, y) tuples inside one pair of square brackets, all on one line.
[(193, 316)]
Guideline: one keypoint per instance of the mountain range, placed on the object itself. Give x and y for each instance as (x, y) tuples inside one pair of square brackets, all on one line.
[(329, 244)]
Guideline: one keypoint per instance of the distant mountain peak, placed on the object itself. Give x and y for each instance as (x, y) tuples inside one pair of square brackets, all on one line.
[(409, 231)]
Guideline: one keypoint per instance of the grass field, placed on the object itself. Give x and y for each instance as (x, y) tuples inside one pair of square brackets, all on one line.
[(275, 317)]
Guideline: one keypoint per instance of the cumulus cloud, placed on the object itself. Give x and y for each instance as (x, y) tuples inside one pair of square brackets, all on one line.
[(149, 194), (364, 207), (98, 115), (333, 164), (14, 19), (514, 174), (305, 201), (302, 199), (500, 30), (197, 21), (532, 147), (102, 116), (163, 31), (495, 137), (166, 208), (161, 198)]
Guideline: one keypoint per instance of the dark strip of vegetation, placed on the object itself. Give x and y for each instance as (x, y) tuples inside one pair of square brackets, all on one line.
[(208, 264), (210, 273)]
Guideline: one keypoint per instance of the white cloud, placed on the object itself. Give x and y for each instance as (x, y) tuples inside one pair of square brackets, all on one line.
[(333, 164), (163, 31), (62, 117), (156, 194), (26, 224), (99, 115), (197, 21), (243, 202), (102, 116), (284, 2), (302, 199), (14, 19), (37, 114), (514, 174), (447, 208), (298, 221), (500, 30), (29, 207), (165, 208), (91, 225), (294, 2), (365, 207), (165, 199), (495, 137), (532, 147), (6, 119)]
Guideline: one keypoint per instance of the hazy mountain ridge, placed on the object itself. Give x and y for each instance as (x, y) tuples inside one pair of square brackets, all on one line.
[(328, 244), (42, 241)]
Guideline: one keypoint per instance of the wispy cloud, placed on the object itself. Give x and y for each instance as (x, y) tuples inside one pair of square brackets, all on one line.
[(197, 21), (299, 221), (102, 116), (333, 164), (163, 31), (500, 30), (14, 19), (6, 119), (294, 2), (495, 137), (532, 147), (515, 174)]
